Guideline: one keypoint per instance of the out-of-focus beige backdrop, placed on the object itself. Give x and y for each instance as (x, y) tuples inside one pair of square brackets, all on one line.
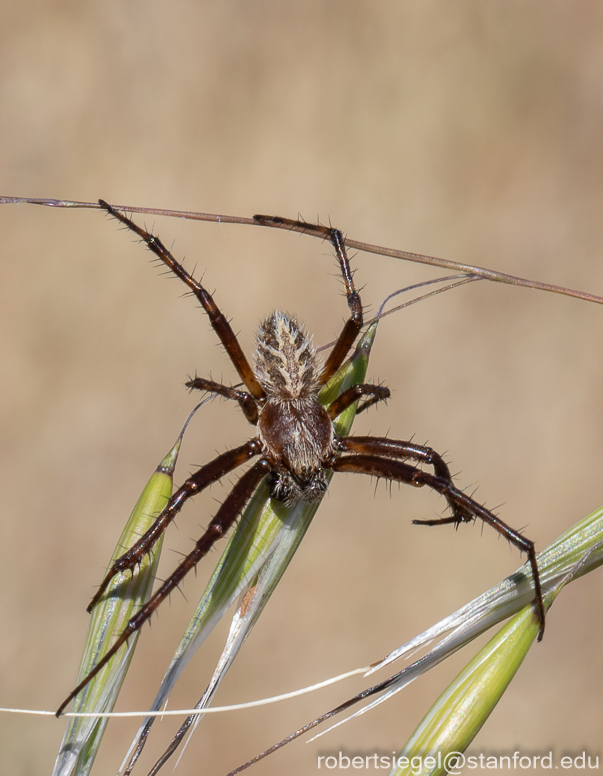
[(465, 130)]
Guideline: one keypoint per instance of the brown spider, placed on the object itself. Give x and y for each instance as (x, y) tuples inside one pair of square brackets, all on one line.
[(295, 438)]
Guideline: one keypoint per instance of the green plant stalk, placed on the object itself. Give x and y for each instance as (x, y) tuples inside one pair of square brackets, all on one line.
[(126, 593), (459, 713), (437, 745)]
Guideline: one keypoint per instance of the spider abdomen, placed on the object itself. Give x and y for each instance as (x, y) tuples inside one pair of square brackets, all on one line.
[(285, 360)]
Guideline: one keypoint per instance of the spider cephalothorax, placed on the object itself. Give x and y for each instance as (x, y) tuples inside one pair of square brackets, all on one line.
[(295, 438), (295, 430)]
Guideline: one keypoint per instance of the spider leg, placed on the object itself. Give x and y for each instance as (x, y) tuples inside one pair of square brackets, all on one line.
[(205, 476), (246, 401), (221, 523), (401, 472), (219, 323), (374, 392), (442, 521), (353, 325), (393, 448)]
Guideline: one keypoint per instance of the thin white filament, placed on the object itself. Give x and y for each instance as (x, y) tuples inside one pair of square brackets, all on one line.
[(189, 712)]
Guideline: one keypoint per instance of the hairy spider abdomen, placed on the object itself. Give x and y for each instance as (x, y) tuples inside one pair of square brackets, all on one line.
[(285, 360)]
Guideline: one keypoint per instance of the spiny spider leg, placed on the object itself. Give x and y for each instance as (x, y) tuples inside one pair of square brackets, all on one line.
[(221, 523), (443, 521), (205, 476), (374, 392), (377, 466), (353, 325), (246, 402), (219, 323), (393, 448)]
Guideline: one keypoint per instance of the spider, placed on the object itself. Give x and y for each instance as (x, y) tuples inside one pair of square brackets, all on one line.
[(295, 437)]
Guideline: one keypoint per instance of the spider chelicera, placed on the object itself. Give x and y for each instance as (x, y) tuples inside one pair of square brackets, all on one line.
[(295, 437)]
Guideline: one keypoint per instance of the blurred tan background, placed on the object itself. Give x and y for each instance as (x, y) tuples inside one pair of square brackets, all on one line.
[(465, 130)]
